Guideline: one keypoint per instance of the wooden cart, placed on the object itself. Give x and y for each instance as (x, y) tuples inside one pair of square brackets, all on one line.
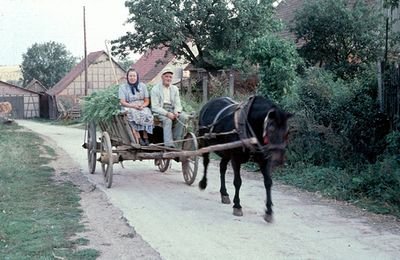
[(117, 144)]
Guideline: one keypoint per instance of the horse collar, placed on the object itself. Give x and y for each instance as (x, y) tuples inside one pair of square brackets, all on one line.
[(242, 126)]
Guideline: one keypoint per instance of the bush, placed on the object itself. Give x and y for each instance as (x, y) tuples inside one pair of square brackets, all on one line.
[(340, 144), (336, 122), (277, 60)]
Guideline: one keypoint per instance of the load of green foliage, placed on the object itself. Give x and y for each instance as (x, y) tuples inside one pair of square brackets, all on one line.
[(101, 105)]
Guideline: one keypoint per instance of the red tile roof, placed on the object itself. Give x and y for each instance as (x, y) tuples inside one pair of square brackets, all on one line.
[(286, 11), (152, 62), (75, 72)]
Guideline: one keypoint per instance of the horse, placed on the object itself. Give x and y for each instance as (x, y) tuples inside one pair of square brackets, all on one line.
[(223, 120)]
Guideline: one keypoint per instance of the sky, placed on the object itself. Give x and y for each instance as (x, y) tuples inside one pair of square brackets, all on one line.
[(25, 22)]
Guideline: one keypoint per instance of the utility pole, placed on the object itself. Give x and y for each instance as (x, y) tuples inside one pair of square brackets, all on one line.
[(85, 50)]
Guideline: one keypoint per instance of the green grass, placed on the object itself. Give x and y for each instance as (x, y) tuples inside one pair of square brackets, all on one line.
[(37, 216), (374, 187)]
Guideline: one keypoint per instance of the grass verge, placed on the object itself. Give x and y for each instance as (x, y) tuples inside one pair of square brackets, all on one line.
[(374, 187), (37, 215)]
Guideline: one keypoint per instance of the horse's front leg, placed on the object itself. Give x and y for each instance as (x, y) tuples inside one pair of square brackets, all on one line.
[(266, 170), (206, 161), (237, 182), (222, 171)]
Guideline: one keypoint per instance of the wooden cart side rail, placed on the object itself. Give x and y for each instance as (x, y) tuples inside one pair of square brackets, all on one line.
[(119, 130)]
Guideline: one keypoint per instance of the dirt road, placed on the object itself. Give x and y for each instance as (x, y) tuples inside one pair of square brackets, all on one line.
[(182, 222)]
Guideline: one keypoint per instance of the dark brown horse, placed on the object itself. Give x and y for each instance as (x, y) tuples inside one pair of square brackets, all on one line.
[(222, 120)]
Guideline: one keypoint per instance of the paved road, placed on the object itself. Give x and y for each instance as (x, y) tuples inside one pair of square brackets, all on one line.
[(182, 222)]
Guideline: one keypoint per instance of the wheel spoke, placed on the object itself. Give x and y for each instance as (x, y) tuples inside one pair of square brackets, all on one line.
[(91, 146), (190, 164), (106, 151)]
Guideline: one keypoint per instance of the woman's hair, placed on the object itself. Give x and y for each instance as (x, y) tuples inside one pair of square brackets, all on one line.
[(135, 85)]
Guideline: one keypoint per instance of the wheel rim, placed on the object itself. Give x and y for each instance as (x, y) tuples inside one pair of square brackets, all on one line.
[(164, 164), (190, 164), (92, 146), (107, 166)]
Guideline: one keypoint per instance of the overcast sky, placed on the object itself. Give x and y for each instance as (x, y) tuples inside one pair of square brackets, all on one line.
[(25, 22)]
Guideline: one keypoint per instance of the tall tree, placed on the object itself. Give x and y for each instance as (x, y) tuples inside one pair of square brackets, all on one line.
[(47, 62), (338, 35), (215, 28)]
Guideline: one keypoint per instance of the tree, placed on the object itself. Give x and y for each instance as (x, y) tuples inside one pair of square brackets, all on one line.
[(126, 63), (47, 62), (215, 28), (339, 36), (277, 60)]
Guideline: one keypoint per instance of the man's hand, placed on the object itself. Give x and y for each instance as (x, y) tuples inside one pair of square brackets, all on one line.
[(171, 116)]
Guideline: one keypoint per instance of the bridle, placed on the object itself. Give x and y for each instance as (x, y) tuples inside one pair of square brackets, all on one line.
[(265, 136)]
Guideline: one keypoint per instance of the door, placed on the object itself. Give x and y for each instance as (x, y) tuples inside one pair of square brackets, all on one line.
[(17, 103)]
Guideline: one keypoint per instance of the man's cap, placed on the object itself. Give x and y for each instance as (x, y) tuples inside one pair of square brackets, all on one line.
[(167, 70)]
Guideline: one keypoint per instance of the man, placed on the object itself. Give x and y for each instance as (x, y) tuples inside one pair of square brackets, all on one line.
[(166, 105)]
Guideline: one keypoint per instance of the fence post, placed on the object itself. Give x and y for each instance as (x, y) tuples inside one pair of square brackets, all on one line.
[(205, 87), (189, 88), (380, 85), (231, 83)]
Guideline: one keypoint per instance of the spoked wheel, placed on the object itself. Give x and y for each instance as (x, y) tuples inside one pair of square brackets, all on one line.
[(91, 147), (106, 159), (163, 164), (190, 164)]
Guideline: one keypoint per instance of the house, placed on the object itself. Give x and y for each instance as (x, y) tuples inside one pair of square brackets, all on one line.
[(286, 11), (10, 73), (151, 63), (102, 72), (25, 103)]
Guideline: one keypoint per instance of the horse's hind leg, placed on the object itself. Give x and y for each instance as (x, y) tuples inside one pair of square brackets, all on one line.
[(222, 170), (237, 182), (206, 161)]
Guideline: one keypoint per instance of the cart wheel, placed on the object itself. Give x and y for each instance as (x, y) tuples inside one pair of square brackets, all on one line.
[(190, 164), (163, 164), (92, 147), (107, 164)]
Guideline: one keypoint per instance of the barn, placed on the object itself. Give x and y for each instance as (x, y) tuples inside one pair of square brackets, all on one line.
[(37, 86), (102, 72), (25, 103)]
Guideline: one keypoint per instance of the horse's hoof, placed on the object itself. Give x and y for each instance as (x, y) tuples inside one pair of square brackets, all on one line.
[(269, 218), (225, 199), (203, 184), (237, 212)]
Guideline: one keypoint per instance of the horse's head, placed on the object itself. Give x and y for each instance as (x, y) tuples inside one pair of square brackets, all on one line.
[(275, 134)]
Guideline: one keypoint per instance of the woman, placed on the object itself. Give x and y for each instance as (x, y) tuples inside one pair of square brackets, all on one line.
[(134, 98)]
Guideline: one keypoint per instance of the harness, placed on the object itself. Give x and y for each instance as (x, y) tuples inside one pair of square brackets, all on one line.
[(242, 127)]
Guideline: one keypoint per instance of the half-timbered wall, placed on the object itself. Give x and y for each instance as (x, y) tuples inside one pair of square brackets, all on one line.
[(25, 103), (100, 76)]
